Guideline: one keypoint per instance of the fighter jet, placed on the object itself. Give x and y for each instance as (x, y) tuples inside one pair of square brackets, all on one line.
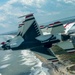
[(69, 31), (66, 29), (30, 36)]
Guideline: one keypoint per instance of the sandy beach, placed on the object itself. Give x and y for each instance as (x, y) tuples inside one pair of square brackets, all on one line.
[(56, 68)]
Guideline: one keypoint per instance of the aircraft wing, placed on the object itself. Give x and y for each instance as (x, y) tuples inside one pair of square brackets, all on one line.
[(45, 52), (67, 46), (71, 30)]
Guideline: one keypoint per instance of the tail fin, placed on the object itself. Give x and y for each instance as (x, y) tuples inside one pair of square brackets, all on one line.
[(27, 34), (30, 28), (57, 27)]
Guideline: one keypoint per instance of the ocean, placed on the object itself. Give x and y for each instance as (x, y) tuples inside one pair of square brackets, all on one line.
[(24, 62), (20, 63)]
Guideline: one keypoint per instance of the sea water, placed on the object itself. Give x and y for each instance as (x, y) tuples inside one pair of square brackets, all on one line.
[(23, 62)]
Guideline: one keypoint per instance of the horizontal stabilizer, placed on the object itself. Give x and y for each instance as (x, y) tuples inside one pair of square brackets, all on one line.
[(16, 41), (67, 46), (46, 53), (30, 27)]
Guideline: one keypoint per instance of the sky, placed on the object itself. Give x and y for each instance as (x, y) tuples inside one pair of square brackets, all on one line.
[(44, 11)]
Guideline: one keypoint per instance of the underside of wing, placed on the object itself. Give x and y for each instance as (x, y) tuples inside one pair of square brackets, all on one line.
[(46, 53), (67, 46)]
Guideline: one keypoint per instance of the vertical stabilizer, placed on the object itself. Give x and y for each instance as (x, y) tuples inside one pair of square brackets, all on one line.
[(30, 28), (28, 32), (56, 27)]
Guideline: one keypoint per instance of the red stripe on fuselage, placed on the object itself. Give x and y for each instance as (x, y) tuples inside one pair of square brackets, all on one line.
[(66, 25)]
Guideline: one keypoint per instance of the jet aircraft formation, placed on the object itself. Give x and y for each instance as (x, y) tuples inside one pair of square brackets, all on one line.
[(30, 36)]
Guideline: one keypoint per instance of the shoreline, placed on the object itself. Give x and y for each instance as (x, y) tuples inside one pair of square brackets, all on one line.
[(57, 68)]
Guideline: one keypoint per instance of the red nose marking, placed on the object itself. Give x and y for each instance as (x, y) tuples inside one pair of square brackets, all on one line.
[(3, 43)]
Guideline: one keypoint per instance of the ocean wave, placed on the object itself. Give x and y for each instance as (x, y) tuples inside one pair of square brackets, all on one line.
[(0, 74), (7, 57), (30, 59), (4, 66)]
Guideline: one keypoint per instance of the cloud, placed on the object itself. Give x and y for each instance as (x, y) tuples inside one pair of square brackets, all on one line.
[(37, 3), (10, 9), (4, 25), (67, 1), (15, 8), (2, 18)]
